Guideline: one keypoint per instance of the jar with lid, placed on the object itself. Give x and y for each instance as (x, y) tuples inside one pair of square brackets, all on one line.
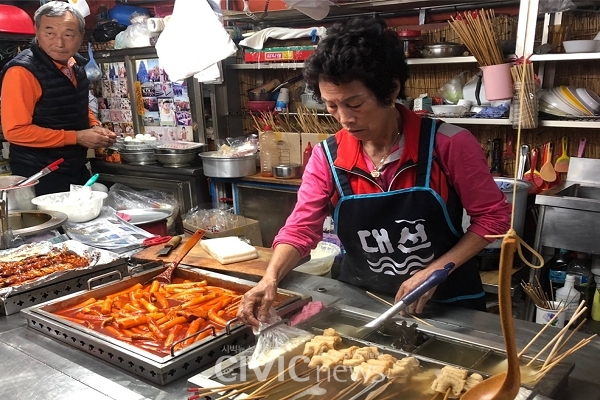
[(411, 40)]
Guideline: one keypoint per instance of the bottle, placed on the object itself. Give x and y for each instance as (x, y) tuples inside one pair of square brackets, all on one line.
[(557, 270), (282, 100), (581, 269), (268, 151), (568, 297), (596, 301), (306, 155)]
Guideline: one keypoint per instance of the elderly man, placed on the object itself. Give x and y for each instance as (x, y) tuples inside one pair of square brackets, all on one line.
[(45, 105)]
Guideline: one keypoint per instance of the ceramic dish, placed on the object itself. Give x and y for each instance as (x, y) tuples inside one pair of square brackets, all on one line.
[(550, 109), (589, 99), (568, 95), (550, 97), (580, 46), (449, 110)]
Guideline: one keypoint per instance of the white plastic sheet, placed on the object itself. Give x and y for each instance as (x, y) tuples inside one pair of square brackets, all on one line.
[(193, 40)]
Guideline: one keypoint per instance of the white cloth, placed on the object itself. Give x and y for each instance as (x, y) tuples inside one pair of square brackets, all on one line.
[(193, 40), (257, 40)]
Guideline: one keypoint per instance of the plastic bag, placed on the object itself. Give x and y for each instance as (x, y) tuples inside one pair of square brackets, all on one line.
[(275, 340), (121, 197), (452, 91), (137, 34), (92, 70), (552, 6), (107, 31)]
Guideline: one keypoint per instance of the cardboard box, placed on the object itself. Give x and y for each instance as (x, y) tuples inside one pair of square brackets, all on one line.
[(288, 145), (278, 54), (249, 230)]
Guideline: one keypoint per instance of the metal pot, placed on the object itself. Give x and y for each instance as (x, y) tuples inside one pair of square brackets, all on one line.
[(227, 167), (18, 198), (287, 171), (443, 49), (261, 96)]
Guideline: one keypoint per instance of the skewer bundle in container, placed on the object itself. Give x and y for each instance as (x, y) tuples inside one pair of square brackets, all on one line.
[(524, 108), (476, 31)]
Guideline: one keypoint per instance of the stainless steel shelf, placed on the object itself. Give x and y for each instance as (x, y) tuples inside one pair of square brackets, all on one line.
[(570, 124), (565, 56), (300, 65)]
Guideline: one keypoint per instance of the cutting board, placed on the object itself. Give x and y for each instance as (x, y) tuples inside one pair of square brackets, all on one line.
[(197, 257)]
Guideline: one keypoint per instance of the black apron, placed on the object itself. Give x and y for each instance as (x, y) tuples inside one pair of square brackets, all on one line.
[(389, 236)]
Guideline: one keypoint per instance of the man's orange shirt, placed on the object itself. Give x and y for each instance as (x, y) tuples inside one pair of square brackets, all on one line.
[(20, 93)]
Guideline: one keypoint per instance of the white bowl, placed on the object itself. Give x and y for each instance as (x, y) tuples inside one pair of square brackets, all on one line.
[(580, 46), (321, 259), (550, 97), (76, 210), (589, 99), (449, 110)]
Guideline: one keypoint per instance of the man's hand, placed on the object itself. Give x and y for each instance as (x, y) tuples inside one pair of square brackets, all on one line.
[(96, 137)]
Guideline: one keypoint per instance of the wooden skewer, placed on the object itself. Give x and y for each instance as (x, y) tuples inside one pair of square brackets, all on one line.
[(276, 377), (346, 390), (384, 301), (226, 388), (289, 396), (380, 390), (575, 316), (582, 343), (447, 393), (434, 396), (540, 332), (268, 390), (237, 391), (571, 335)]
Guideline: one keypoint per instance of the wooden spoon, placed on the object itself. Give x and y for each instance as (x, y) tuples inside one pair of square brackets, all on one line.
[(547, 172), (165, 276), (505, 385)]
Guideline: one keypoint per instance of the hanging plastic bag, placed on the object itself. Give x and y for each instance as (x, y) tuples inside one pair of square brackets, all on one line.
[(275, 339), (92, 70)]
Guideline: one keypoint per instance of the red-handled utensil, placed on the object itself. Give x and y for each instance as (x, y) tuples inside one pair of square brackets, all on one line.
[(165, 276), (43, 172), (533, 175)]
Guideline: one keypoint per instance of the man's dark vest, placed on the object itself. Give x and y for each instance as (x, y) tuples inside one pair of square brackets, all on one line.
[(61, 106)]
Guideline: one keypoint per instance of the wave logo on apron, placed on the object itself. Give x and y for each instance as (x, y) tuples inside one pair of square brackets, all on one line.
[(413, 238)]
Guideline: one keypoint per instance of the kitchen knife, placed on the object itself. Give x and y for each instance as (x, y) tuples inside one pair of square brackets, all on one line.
[(170, 245)]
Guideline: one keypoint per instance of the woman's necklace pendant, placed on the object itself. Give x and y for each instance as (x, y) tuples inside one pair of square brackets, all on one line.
[(375, 173)]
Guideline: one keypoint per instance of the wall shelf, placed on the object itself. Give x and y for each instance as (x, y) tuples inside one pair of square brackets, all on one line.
[(565, 56), (570, 124)]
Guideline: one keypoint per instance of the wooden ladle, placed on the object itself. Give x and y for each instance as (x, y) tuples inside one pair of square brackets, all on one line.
[(505, 385), (165, 276)]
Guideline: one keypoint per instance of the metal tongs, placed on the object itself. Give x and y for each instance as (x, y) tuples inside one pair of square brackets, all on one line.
[(43, 172)]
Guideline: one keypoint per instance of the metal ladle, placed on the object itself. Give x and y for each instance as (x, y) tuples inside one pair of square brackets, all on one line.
[(505, 385)]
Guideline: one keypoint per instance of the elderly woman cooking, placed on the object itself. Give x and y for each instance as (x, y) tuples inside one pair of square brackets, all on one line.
[(395, 182)]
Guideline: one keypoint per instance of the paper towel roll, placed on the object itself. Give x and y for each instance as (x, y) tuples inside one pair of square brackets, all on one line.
[(156, 24)]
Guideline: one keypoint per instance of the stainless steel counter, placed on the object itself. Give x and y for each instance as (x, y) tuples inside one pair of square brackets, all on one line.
[(36, 367)]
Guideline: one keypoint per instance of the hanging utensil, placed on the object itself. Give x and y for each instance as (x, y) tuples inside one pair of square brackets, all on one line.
[(165, 276), (509, 154), (294, 79), (522, 161), (562, 163), (581, 148), (547, 171), (533, 175), (505, 385), (43, 172), (92, 180), (496, 168), (433, 280)]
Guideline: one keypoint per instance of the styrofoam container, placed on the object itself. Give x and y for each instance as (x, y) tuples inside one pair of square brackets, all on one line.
[(77, 210), (321, 259), (449, 110)]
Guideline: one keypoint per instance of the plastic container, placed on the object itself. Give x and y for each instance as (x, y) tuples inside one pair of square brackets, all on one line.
[(268, 152), (568, 296), (410, 40), (282, 100), (75, 209), (596, 302), (581, 269), (321, 259)]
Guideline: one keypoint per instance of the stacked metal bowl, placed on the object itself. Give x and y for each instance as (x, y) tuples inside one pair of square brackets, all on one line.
[(178, 154), (138, 153)]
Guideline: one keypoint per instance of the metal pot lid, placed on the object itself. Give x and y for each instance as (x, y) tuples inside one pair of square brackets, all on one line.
[(21, 221)]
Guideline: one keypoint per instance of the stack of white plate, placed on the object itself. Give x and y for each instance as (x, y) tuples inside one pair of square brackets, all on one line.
[(568, 101)]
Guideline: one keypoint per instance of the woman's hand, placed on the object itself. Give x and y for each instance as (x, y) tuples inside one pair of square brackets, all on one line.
[(257, 301), (410, 285)]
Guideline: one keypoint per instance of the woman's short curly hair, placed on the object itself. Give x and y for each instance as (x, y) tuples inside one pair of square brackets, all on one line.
[(361, 49)]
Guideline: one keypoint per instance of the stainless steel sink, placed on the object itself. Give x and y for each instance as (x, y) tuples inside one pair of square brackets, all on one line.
[(569, 215), (32, 222), (581, 191)]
